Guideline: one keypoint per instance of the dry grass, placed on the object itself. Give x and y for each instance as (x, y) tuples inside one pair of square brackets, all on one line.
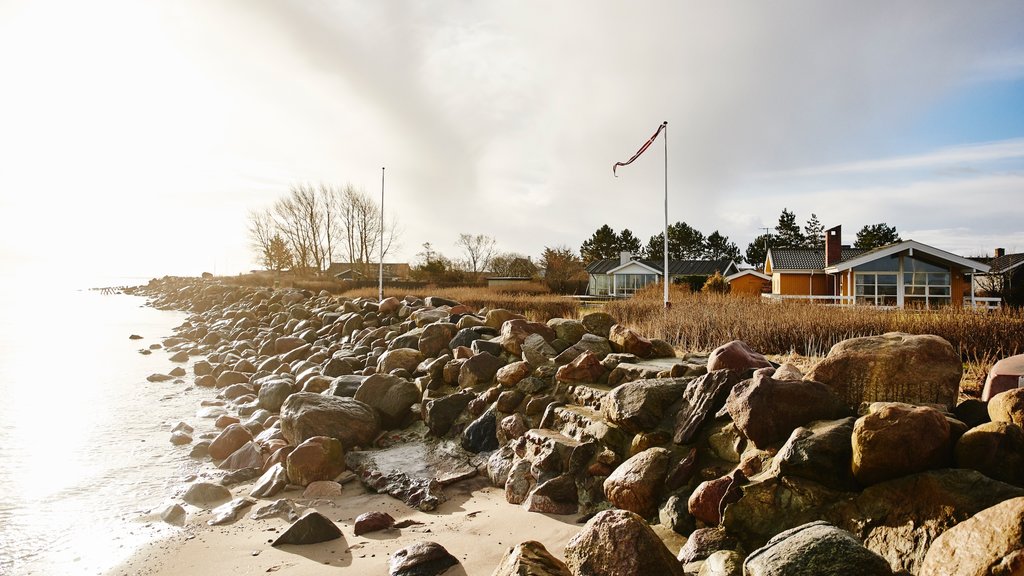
[(701, 322), (535, 303)]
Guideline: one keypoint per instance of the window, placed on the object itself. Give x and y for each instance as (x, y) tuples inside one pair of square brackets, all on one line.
[(876, 289), (600, 285), (626, 284), (925, 285)]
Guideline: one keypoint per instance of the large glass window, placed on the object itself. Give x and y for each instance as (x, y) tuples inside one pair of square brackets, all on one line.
[(600, 285), (626, 284), (925, 285), (878, 289)]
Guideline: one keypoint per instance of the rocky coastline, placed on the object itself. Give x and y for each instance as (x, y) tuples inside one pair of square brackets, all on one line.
[(671, 463)]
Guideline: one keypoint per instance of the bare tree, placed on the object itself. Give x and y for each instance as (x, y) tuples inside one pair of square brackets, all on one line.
[(261, 233), (479, 249), (300, 219), (359, 227)]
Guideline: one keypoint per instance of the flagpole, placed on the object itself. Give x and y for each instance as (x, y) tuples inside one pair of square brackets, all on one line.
[(667, 303), (380, 276)]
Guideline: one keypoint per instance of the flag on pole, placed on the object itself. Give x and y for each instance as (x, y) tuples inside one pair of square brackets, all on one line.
[(641, 150)]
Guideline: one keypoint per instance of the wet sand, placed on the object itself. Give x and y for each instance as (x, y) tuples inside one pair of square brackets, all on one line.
[(476, 525)]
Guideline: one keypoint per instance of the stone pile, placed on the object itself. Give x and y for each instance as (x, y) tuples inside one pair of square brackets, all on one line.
[(865, 465)]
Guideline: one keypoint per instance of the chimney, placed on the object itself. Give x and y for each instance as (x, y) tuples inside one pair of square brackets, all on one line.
[(833, 245), (625, 258), (1000, 252)]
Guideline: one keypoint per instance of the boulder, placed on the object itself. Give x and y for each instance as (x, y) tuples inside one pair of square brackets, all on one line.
[(514, 333), (511, 374), (464, 338), (737, 356), (440, 413), (391, 397), (205, 494), (895, 440), (435, 338), (557, 495), (597, 345), (598, 323), (318, 458), (584, 369), (311, 528), (893, 367), (703, 397), (230, 439), (709, 498), (537, 351), (480, 369), (815, 549), (821, 451), (722, 563), (989, 543), (372, 522), (530, 558), (767, 411), (619, 543), (497, 317), (273, 393), (285, 344), (641, 405), (247, 456), (420, 559), (637, 484), (627, 340), (1004, 375), (1008, 407), (273, 481), (399, 359), (305, 415), (996, 449), (482, 434), (704, 542), (389, 305)]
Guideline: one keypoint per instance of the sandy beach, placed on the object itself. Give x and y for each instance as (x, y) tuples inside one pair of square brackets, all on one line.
[(476, 525)]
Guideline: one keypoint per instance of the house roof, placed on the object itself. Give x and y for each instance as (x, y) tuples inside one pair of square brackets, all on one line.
[(1004, 263), (675, 267), (911, 246), (750, 272), (807, 258)]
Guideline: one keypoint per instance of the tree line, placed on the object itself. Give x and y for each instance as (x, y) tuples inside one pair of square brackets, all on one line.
[(687, 243)]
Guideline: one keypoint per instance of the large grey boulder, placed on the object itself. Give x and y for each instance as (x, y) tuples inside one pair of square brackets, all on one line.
[(815, 549), (641, 405), (391, 396)]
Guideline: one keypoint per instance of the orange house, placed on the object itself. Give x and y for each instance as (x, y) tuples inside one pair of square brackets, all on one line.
[(905, 274), (750, 282)]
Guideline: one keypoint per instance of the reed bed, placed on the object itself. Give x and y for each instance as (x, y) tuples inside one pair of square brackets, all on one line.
[(533, 302), (701, 322)]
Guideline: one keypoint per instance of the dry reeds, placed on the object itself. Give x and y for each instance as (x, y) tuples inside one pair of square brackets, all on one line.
[(701, 322)]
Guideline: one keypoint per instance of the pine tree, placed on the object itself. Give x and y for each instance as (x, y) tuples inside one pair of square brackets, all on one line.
[(604, 243), (788, 231), (684, 243), (814, 233), (718, 247), (757, 250), (876, 235)]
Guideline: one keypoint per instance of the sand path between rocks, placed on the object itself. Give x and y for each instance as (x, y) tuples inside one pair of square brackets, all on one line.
[(476, 525)]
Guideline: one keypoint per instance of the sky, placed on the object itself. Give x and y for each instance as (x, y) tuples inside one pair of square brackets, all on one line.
[(135, 137)]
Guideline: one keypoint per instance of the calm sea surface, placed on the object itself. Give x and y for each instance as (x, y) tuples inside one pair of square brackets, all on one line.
[(84, 449)]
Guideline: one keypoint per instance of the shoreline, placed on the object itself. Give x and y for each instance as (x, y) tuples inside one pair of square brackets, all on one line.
[(512, 443)]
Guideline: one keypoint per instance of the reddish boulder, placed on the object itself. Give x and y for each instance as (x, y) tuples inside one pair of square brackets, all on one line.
[(767, 410), (619, 543), (990, 542), (1004, 375), (318, 458), (585, 369), (737, 356), (627, 340), (230, 439), (637, 484), (514, 333)]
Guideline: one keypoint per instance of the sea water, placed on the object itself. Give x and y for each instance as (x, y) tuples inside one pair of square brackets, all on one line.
[(85, 457)]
